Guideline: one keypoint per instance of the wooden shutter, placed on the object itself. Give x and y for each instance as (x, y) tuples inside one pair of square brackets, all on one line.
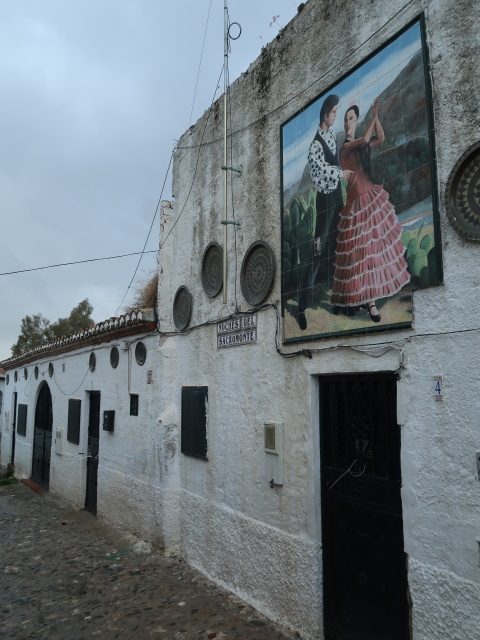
[(74, 411), (194, 421), (22, 420)]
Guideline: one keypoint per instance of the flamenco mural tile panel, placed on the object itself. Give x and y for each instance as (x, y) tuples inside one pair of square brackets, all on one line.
[(359, 222)]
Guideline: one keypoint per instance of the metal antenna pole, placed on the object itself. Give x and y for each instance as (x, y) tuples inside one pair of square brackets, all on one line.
[(225, 79)]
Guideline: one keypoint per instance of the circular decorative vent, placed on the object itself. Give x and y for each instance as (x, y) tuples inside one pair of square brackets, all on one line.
[(212, 269), (140, 353), (182, 308), (35, 373), (114, 357), (462, 195), (92, 361), (258, 268), (50, 369), (25, 373), (15, 376)]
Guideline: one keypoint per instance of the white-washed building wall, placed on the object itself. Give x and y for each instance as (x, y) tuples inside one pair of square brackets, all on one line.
[(128, 470), (264, 543)]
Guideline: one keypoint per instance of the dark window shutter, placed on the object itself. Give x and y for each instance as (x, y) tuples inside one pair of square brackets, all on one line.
[(194, 421), (73, 433), (22, 420)]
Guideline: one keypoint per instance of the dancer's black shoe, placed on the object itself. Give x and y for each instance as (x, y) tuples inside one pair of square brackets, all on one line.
[(374, 317), (302, 320)]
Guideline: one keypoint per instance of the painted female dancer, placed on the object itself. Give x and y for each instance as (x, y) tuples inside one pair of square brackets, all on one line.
[(369, 257)]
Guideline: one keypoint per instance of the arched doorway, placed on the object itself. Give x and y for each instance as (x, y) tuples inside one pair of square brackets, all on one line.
[(42, 437)]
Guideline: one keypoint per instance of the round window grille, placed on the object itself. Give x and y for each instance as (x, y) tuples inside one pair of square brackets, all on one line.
[(92, 362), (114, 357), (35, 373), (258, 269), (50, 369), (25, 373), (15, 376), (7, 379), (182, 308), (212, 269), (462, 194), (140, 353)]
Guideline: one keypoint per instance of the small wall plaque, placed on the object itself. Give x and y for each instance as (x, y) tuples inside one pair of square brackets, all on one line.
[(438, 387)]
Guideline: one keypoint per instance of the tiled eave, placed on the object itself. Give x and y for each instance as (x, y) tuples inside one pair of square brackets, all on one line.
[(132, 323)]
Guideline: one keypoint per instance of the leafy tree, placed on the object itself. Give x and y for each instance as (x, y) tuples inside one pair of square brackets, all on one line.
[(32, 334), (78, 319), (36, 329)]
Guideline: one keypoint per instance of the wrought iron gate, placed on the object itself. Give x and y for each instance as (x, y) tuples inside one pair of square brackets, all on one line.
[(364, 563)]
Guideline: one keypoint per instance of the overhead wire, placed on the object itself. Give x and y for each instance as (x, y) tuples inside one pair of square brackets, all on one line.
[(196, 164), (66, 264), (324, 75), (200, 63), (149, 231)]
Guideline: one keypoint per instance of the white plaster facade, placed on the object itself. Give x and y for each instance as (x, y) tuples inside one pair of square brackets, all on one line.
[(128, 472), (221, 514), (265, 544)]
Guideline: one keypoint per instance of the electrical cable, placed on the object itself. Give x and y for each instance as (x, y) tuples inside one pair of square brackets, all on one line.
[(149, 231), (196, 164), (66, 264), (200, 63), (284, 104), (72, 392)]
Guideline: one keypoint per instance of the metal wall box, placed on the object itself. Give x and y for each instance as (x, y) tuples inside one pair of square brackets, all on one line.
[(108, 420), (59, 441), (273, 446)]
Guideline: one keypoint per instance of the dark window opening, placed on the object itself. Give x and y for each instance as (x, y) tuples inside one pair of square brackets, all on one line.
[(74, 410), (22, 420), (92, 362), (134, 404), (194, 421)]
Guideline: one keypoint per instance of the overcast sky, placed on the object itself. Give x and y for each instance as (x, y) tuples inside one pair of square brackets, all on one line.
[(93, 93)]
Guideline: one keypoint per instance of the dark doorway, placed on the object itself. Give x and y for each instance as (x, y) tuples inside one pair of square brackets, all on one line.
[(42, 437), (92, 452), (14, 427), (364, 563)]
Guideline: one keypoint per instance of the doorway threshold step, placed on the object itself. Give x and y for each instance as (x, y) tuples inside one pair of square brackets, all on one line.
[(33, 485)]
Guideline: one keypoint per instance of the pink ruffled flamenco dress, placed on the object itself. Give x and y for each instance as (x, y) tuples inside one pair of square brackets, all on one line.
[(369, 258)]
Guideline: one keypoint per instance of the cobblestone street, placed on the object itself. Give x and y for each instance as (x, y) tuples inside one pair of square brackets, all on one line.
[(66, 574)]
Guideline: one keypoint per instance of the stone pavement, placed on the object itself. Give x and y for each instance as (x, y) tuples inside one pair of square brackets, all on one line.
[(68, 575)]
